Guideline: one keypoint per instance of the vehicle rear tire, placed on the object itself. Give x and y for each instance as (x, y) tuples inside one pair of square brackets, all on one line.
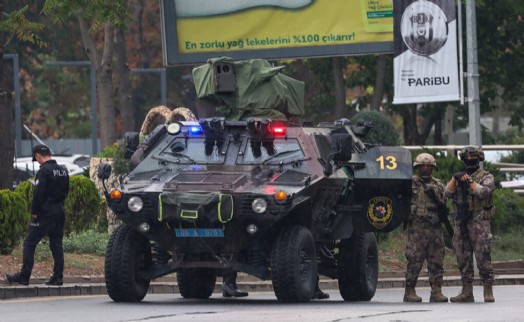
[(294, 265), (196, 283), (127, 253), (357, 263)]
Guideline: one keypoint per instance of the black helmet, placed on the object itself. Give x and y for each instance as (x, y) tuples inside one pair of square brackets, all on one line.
[(471, 156), (472, 151)]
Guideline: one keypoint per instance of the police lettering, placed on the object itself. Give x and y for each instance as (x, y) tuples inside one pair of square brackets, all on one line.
[(428, 81), (59, 173)]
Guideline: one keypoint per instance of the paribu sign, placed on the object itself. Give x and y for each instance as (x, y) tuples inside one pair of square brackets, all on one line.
[(195, 30)]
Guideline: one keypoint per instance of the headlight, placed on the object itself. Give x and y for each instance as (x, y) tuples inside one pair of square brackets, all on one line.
[(259, 205), (135, 204)]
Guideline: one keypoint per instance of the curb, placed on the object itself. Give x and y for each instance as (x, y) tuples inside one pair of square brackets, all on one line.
[(83, 286)]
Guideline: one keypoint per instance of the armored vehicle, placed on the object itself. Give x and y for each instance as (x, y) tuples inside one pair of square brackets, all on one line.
[(268, 197)]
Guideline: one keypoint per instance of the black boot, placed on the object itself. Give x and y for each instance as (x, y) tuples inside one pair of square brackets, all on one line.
[(319, 295), (57, 281), (230, 288), (17, 278)]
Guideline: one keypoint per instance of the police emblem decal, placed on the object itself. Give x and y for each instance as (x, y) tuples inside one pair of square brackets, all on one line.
[(380, 212)]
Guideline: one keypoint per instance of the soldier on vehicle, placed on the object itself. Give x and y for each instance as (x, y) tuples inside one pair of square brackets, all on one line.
[(472, 192), (425, 241), (47, 216)]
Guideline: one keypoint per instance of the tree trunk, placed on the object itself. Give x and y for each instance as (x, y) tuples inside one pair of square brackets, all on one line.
[(340, 88), (127, 112), (104, 82), (378, 93), (105, 90), (438, 132), (7, 139)]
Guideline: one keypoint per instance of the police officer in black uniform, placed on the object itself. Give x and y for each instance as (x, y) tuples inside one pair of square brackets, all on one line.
[(47, 216)]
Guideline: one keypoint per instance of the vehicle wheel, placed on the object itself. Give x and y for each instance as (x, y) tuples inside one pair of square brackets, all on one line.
[(127, 253), (358, 267), (294, 265), (196, 283)]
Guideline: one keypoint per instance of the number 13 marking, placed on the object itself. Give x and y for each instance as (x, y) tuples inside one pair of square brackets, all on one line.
[(389, 162)]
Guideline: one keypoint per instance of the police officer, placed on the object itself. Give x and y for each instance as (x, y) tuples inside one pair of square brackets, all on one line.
[(424, 236), (471, 192), (47, 216)]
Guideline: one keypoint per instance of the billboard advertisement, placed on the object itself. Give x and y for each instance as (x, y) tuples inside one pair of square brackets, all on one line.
[(426, 60), (196, 30)]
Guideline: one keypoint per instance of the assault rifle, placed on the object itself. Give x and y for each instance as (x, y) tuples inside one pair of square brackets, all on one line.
[(442, 209), (462, 207)]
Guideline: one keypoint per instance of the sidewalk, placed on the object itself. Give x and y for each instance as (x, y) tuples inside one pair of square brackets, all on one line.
[(94, 285)]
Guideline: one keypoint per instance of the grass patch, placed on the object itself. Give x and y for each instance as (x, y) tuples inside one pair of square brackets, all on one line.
[(392, 246), (508, 246), (87, 242)]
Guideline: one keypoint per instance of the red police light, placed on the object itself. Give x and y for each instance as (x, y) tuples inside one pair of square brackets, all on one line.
[(278, 130)]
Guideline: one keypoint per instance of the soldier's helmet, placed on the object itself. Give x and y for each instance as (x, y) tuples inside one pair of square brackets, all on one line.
[(472, 151), (424, 158)]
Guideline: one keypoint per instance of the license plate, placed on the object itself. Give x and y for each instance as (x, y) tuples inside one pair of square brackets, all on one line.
[(199, 232)]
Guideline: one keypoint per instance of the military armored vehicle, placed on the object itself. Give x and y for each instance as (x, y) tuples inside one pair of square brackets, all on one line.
[(270, 198)]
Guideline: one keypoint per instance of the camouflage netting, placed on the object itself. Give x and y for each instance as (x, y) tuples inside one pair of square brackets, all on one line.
[(162, 114), (261, 90)]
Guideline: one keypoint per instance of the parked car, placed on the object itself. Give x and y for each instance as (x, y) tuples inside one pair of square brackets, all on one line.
[(26, 168)]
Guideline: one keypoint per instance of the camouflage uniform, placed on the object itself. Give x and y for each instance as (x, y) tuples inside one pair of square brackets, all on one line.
[(473, 233), (424, 235)]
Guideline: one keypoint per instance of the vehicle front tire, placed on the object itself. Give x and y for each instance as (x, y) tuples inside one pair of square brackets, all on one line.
[(294, 265), (196, 283), (357, 263), (127, 254)]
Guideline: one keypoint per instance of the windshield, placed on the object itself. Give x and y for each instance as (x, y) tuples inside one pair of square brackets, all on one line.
[(193, 150), (257, 152)]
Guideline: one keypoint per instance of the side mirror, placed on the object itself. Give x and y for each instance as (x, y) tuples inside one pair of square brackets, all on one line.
[(132, 140), (341, 147), (104, 171)]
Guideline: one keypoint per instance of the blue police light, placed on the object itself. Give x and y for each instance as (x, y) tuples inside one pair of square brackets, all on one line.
[(195, 130)]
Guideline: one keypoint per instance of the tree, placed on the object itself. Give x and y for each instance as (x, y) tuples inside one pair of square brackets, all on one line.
[(91, 17), (13, 26), (501, 56)]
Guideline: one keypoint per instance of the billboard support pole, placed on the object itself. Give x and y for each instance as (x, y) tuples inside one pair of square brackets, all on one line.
[(475, 137)]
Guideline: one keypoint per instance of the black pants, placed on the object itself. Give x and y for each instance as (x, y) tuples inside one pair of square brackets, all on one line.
[(52, 226)]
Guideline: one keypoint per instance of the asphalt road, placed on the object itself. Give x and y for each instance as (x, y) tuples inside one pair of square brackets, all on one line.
[(387, 305)]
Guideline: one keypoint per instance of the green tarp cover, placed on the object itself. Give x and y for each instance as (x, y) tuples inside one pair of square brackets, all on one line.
[(192, 207), (262, 91)]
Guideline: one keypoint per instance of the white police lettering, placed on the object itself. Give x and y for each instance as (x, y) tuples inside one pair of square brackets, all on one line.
[(59, 173)]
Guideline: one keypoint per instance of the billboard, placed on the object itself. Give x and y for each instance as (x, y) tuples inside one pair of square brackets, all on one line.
[(426, 61), (196, 30)]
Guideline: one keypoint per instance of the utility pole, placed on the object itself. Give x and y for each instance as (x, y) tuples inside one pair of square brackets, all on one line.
[(473, 99)]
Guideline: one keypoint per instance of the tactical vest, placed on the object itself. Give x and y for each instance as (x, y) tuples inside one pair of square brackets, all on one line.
[(474, 203), (422, 205)]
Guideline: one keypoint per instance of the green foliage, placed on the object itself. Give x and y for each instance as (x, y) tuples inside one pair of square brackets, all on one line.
[(98, 12), (120, 166), (509, 210), (508, 246), (25, 189), (383, 131), (501, 56), (82, 205), (86, 242), (16, 25), (14, 219), (107, 152)]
